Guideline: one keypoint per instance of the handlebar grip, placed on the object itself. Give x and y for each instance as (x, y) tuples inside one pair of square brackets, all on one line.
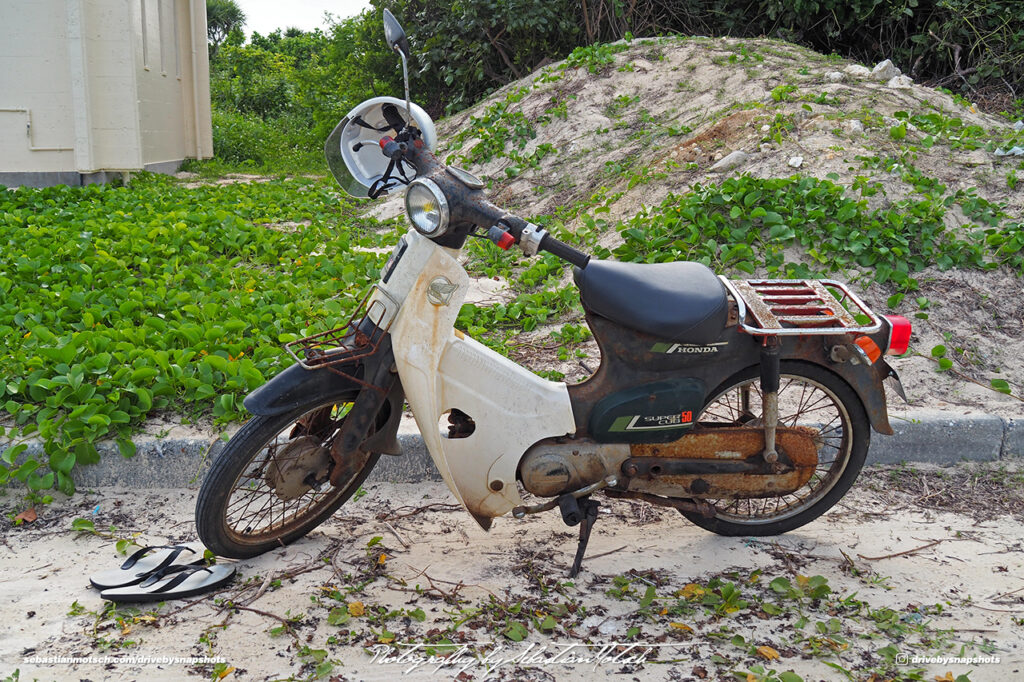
[(553, 246), (564, 251)]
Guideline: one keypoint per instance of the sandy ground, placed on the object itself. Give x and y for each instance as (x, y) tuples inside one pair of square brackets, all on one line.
[(918, 562)]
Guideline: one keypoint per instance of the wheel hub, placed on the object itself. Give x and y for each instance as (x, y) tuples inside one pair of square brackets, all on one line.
[(296, 468)]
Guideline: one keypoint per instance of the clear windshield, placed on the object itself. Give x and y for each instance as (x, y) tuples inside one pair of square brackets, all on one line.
[(336, 162)]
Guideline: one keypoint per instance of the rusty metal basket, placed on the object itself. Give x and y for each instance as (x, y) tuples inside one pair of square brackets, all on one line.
[(358, 338), (800, 307)]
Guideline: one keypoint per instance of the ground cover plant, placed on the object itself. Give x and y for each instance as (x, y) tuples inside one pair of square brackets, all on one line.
[(122, 301)]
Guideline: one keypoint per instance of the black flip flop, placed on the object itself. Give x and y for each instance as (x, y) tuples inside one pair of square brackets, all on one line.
[(172, 582), (146, 562)]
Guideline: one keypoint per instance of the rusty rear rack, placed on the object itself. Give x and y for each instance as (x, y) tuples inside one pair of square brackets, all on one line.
[(800, 307)]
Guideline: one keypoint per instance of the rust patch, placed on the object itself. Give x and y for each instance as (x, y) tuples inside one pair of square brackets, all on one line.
[(798, 444), (742, 442), (346, 465)]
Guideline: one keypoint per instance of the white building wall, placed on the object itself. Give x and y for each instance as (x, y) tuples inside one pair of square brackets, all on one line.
[(36, 124), (109, 85)]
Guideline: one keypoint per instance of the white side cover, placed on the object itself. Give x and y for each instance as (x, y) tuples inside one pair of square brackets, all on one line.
[(442, 369)]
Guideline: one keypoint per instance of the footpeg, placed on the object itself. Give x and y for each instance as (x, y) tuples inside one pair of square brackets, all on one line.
[(572, 514), (521, 512)]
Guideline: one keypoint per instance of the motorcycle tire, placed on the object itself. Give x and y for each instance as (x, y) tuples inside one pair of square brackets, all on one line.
[(263, 466), (807, 394)]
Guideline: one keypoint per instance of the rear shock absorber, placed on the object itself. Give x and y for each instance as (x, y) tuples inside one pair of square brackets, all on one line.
[(770, 396)]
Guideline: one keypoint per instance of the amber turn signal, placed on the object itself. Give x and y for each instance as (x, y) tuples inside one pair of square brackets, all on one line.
[(869, 347)]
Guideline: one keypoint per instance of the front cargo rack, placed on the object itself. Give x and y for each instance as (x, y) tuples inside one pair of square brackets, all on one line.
[(358, 338), (800, 307)]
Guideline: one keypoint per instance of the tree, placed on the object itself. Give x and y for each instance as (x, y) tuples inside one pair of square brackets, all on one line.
[(222, 16)]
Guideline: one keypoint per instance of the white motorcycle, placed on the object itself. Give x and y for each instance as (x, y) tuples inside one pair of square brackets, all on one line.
[(745, 404)]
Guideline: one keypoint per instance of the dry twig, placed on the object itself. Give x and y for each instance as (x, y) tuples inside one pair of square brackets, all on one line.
[(397, 535), (903, 553)]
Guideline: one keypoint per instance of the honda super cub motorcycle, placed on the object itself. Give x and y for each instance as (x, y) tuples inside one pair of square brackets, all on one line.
[(745, 404)]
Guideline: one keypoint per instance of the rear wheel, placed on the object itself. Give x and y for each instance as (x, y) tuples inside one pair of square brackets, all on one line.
[(270, 485), (809, 396)]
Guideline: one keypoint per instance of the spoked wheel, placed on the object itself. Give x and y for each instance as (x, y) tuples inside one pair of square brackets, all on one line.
[(271, 484), (809, 396)]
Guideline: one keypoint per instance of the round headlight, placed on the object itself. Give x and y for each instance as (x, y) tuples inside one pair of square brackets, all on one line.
[(427, 207)]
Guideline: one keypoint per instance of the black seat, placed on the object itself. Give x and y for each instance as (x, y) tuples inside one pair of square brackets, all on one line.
[(680, 301)]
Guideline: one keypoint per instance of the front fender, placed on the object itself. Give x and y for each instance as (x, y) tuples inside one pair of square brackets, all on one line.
[(297, 386)]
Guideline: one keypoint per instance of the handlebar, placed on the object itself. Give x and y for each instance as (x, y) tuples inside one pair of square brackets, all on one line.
[(517, 227), (564, 251)]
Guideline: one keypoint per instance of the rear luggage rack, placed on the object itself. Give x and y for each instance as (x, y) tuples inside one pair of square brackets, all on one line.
[(800, 307)]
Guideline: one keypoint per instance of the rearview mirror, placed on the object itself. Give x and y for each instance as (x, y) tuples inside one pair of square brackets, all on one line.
[(394, 34)]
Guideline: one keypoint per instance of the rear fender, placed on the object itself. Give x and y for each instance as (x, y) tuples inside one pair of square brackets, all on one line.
[(865, 380)]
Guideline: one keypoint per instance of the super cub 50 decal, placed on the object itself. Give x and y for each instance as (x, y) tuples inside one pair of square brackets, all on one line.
[(647, 422)]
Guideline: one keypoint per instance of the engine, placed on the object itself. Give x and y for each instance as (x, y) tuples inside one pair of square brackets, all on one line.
[(555, 466)]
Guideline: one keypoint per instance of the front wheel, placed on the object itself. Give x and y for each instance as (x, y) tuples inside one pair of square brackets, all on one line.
[(270, 485), (809, 396)]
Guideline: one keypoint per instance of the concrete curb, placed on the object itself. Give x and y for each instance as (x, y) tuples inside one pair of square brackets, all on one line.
[(932, 438)]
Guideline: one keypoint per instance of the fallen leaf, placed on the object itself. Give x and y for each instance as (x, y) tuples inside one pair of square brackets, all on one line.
[(381, 559), (948, 677), (27, 516), (691, 591), (681, 626), (356, 608), (768, 653), (224, 673)]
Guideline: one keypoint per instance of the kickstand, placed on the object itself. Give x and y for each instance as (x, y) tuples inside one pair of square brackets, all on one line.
[(589, 508)]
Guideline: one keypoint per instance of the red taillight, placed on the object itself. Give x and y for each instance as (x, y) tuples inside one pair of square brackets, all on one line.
[(899, 336)]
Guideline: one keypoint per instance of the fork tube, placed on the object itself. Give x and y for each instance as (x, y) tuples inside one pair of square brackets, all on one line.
[(770, 395)]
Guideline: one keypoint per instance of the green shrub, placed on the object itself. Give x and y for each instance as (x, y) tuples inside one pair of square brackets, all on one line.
[(251, 80), (282, 144)]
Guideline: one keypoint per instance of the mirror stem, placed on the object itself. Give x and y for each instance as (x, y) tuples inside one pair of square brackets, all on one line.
[(405, 77)]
